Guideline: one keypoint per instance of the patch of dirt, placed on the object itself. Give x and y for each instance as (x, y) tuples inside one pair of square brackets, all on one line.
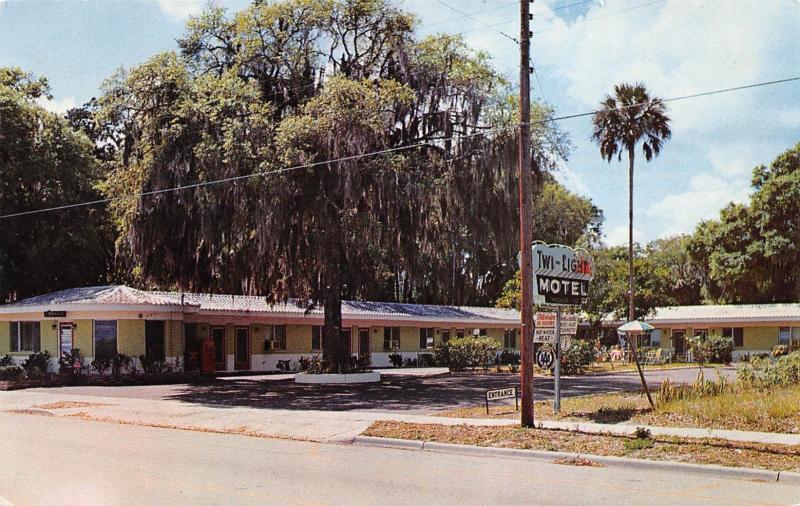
[(572, 461), (39, 412), (70, 404)]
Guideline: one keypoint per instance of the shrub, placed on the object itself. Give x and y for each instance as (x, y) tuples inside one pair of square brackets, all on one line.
[(150, 366), (763, 373), (469, 351), (7, 361), (70, 363), (426, 360), (712, 349), (508, 358), (11, 373), (122, 363), (576, 358), (396, 359), (637, 444), (780, 350), (304, 363), (101, 365), (36, 364)]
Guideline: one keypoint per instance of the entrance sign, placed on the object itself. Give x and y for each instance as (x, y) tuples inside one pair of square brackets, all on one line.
[(561, 275), (55, 314), (545, 358), (502, 393)]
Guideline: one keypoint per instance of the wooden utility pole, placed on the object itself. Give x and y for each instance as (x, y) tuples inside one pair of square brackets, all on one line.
[(525, 233)]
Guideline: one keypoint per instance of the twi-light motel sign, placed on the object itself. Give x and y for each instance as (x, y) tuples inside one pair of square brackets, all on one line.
[(561, 275)]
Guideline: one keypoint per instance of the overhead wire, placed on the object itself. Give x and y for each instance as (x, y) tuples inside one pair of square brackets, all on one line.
[(374, 153)]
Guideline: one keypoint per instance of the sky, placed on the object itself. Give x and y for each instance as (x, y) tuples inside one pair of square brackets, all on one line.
[(580, 51)]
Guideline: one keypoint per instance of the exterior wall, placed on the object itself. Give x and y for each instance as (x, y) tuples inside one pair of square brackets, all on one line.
[(130, 337), (173, 335), (756, 338), (760, 339), (83, 338), (5, 338)]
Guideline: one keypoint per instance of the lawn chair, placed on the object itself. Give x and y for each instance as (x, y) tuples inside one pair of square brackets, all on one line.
[(666, 356)]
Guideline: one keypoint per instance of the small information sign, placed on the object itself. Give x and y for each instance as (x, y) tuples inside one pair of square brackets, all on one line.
[(545, 358), (569, 324), (501, 393)]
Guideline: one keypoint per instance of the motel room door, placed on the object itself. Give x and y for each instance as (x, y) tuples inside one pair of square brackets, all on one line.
[(242, 351), (220, 358), (154, 348), (363, 342), (679, 342)]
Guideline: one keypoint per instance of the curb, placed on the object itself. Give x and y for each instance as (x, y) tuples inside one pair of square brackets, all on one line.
[(708, 470)]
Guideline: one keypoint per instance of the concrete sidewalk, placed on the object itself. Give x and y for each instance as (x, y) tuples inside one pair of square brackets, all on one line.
[(312, 425)]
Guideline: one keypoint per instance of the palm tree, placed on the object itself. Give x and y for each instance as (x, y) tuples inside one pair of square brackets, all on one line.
[(625, 119)]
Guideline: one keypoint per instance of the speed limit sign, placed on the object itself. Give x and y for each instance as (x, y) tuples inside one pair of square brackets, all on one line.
[(545, 358)]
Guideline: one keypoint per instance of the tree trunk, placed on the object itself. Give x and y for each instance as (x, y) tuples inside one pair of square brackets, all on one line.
[(631, 307), (335, 348)]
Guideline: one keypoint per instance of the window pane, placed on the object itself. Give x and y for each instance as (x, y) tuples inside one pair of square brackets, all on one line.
[(425, 338), (445, 335), (738, 337), (784, 335), (727, 332), (105, 339), (30, 336)]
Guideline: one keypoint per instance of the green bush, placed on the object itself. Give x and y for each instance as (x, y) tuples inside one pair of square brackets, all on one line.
[(576, 358), (763, 373), (469, 351), (6, 361), (11, 373), (712, 349), (70, 363), (36, 364)]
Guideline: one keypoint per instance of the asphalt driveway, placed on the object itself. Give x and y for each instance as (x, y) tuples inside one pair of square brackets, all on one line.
[(412, 393)]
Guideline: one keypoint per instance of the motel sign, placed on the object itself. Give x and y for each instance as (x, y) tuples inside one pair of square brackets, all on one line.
[(561, 275)]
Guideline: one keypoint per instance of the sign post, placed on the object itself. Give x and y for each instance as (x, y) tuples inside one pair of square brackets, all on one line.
[(561, 278), (557, 372)]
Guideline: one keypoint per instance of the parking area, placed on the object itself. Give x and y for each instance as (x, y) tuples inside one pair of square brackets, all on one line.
[(413, 393)]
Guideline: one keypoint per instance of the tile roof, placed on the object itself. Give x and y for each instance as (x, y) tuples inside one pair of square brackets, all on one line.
[(739, 312), (124, 295), (251, 303), (109, 294)]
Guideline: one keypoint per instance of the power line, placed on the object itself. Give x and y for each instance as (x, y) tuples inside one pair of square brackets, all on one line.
[(686, 97), (504, 34), (374, 153)]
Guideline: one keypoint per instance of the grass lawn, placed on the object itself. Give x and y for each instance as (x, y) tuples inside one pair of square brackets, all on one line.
[(700, 451), (775, 411)]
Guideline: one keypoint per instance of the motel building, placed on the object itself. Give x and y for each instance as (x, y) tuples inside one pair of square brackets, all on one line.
[(242, 333), (755, 328)]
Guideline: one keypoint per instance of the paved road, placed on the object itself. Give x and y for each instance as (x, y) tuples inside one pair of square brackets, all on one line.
[(413, 394), (62, 461)]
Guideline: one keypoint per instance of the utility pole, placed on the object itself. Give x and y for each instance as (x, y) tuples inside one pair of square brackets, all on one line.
[(525, 197)]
